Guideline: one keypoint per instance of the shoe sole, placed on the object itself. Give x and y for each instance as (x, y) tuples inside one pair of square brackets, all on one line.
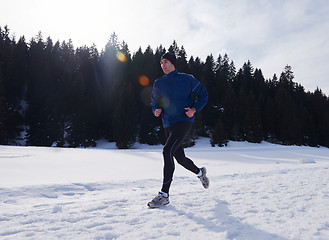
[(156, 206)]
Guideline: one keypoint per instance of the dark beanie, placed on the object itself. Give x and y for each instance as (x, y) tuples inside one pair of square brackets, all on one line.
[(171, 57)]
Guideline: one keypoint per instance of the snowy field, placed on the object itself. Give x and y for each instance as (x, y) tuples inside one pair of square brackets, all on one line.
[(257, 191)]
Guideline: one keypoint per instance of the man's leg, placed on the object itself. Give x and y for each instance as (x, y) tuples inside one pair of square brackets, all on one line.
[(189, 164), (175, 137), (184, 161)]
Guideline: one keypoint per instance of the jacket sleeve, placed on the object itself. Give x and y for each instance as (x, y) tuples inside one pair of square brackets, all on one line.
[(201, 94), (155, 96)]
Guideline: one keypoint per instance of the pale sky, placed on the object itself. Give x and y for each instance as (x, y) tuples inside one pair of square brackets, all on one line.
[(269, 33)]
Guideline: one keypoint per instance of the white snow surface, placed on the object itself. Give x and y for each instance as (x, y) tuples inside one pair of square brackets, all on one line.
[(257, 191)]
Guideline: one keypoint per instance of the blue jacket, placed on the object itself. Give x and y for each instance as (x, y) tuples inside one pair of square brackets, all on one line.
[(173, 93)]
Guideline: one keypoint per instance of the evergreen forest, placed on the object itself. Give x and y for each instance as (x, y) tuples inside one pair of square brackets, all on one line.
[(53, 94)]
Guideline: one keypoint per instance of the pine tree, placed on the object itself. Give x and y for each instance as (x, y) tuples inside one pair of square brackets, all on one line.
[(195, 68), (219, 135), (108, 68), (319, 109), (253, 123), (86, 113), (208, 79), (12, 71), (286, 112), (39, 94), (222, 77), (125, 126), (174, 48), (231, 113), (182, 65), (3, 113)]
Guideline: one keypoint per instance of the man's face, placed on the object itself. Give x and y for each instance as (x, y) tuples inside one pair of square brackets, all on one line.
[(167, 66)]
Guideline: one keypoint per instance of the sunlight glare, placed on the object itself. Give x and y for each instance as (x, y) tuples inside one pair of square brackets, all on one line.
[(121, 57), (144, 80)]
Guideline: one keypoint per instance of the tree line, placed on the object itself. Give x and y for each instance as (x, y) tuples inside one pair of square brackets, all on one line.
[(52, 94)]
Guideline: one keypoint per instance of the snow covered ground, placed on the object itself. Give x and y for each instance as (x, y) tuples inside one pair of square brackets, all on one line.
[(257, 191)]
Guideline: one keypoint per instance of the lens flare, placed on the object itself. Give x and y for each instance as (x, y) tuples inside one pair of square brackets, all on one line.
[(144, 81), (146, 95), (121, 57), (165, 102)]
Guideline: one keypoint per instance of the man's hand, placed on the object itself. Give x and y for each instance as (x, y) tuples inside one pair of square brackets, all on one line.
[(190, 112), (157, 112)]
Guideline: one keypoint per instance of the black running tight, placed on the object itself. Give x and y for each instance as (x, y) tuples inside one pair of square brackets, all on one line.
[(174, 148)]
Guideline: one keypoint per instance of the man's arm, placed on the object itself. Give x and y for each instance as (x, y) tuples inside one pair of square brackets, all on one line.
[(155, 95), (201, 95)]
